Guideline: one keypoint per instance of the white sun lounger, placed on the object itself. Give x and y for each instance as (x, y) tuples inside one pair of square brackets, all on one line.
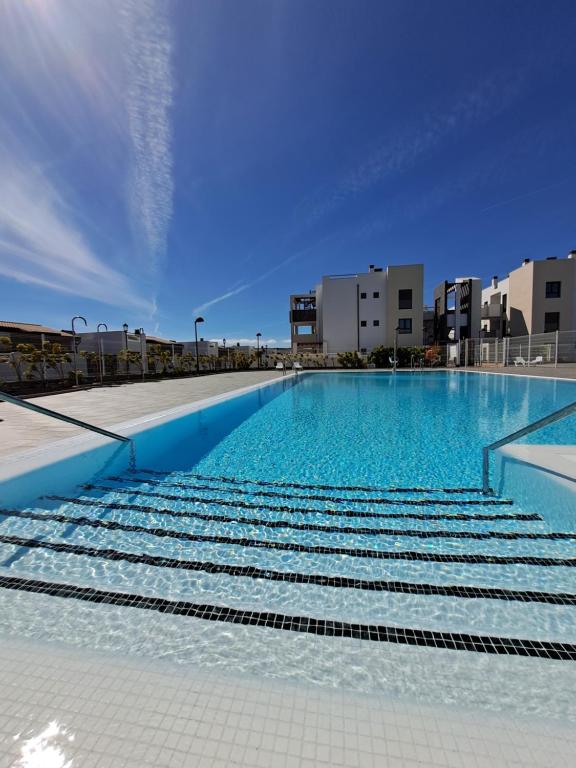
[(519, 361), (538, 360), (297, 366)]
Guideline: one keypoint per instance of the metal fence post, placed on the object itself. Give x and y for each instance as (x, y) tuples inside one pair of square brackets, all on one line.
[(556, 352), (465, 353), (43, 363), (529, 349)]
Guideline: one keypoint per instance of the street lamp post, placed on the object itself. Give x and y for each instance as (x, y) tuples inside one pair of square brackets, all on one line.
[(258, 335), (224, 345), (142, 350), (198, 320), (396, 347), (101, 350), (125, 329), (77, 317)]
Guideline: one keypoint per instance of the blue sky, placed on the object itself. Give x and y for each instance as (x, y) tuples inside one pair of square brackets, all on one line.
[(164, 158)]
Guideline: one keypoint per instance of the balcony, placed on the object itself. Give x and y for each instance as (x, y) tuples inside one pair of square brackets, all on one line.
[(491, 311), (303, 316)]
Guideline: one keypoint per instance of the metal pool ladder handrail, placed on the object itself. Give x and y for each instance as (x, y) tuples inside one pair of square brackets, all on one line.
[(536, 425), (55, 415)]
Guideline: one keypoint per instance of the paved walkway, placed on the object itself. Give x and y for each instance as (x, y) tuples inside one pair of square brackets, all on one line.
[(22, 430), (567, 371)]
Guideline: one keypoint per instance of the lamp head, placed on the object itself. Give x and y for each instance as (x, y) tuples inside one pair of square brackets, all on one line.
[(125, 327), (199, 320)]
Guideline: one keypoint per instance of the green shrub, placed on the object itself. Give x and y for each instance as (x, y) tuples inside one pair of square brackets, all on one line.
[(381, 356), (351, 360)]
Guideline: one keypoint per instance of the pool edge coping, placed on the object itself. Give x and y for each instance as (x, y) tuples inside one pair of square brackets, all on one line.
[(54, 451)]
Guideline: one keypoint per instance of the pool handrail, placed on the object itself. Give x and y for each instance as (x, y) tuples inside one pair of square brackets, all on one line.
[(561, 413), (55, 415)]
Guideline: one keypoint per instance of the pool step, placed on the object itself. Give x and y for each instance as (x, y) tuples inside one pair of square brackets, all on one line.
[(483, 502), (243, 552), (192, 511), (307, 486), (290, 546), (316, 579), (457, 641)]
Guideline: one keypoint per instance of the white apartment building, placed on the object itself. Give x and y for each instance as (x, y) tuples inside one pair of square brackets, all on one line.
[(495, 308), (537, 297), (347, 313)]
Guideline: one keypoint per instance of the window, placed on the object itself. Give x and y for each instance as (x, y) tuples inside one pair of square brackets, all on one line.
[(363, 350), (376, 295), (551, 322), (405, 298), (362, 295), (405, 324), (553, 289), (363, 323), (376, 323)]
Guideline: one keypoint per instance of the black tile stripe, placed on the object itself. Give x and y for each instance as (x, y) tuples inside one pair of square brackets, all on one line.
[(241, 504), (282, 524), (312, 487), (307, 497), (388, 502), (507, 646), (283, 545), (321, 580), (410, 532)]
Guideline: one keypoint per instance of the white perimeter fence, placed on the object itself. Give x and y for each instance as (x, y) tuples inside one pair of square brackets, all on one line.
[(538, 349)]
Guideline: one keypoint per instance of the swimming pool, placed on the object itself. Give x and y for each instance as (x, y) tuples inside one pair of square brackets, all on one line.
[(329, 529)]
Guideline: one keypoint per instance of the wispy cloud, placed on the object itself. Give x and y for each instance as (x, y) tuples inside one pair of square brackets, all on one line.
[(41, 244), (400, 152), (223, 297), (487, 169), (111, 104), (531, 193), (149, 98), (245, 285)]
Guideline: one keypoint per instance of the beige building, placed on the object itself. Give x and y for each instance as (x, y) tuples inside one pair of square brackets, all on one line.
[(347, 313), (538, 297)]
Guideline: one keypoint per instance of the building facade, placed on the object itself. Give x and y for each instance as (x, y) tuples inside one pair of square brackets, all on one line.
[(347, 313), (494, 311), (205, 348), (537, 297), (457, 309)]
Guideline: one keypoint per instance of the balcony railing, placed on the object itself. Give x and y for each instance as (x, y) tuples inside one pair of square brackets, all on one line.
[(305, 338), (491, 311)]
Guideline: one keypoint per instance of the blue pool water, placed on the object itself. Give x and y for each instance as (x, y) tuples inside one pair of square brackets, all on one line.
[(381, 429), (308, 530)]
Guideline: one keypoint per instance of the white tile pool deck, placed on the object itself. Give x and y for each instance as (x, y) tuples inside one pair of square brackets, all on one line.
[(112, 710)]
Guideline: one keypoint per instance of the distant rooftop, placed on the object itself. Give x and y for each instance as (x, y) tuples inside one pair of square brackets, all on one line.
[(31, 328), (159, 340)]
